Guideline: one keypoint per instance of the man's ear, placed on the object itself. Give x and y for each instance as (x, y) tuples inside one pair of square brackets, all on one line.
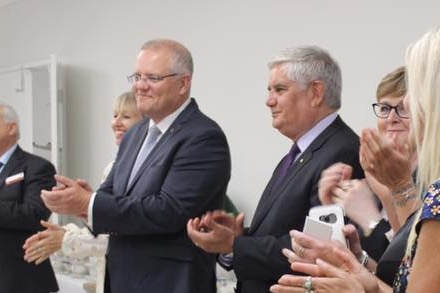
[(317, 89), (12, 128), (185, 84)]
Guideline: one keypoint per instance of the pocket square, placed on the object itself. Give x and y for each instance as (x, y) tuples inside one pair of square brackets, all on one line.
[(14, 178)]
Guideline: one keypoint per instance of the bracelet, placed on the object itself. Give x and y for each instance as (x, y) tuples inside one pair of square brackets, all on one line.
[(364, 258), (403, 201), (403, 190)]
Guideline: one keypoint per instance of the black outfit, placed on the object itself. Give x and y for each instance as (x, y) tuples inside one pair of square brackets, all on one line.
[(21, 209), (389, 263), (376, 244)]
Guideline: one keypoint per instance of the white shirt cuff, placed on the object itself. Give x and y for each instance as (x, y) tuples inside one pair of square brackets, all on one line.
[(90, 211)]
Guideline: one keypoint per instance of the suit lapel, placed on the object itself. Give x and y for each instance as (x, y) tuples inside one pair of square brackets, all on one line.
[(272, 193), (11, 165), (160, 147)]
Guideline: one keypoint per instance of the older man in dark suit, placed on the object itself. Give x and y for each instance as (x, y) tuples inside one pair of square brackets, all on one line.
[(304, 96), (22, 176), (171, 167)]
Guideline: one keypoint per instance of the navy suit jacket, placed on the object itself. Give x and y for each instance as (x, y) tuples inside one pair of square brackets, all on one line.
[(258, 261), (184, 176), (21, 210)]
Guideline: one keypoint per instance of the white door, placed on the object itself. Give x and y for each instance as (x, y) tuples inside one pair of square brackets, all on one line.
[(35, 91)]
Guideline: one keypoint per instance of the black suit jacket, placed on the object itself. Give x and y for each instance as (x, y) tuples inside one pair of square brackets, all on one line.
[(258, 261), (21, 210), (184, 176)]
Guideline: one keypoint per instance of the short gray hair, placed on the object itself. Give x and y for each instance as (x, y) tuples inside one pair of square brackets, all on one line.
[(182, 60), (305, 64), (9, 115)]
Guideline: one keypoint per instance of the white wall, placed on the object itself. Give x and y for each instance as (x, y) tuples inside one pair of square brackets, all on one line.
[(231, 41)]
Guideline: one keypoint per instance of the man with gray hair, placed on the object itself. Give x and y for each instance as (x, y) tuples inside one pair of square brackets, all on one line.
[(304, 97), (22, 176)]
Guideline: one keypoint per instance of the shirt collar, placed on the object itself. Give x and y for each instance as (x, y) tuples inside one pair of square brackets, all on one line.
[(165, 123), (304, 141), (7, 155)]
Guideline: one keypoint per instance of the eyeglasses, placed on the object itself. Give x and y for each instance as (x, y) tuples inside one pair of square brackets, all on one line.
[(150, 78), (383, 110)]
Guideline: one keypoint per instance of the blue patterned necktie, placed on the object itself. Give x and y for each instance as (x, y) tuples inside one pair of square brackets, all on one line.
[(146, 148), (287, 162)]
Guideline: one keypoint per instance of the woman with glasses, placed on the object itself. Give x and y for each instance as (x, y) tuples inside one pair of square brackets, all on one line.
[(72, 240)]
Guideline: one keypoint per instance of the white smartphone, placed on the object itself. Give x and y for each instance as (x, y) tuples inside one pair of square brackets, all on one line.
[(332, 215), (317, 229)]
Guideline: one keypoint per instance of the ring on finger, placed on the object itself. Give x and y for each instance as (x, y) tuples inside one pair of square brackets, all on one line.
[(308, 285), (346, 185), (301, 251)]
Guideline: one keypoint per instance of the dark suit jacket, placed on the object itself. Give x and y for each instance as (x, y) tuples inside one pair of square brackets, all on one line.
[(184, 176), (21, 210), (258, 261)]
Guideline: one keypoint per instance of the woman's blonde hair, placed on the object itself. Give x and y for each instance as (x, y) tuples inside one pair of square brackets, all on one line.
[(423, 78), (393, 84), (126, 102)]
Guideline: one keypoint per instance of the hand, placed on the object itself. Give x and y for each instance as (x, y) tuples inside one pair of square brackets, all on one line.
[(70, 197), (306, 248), (335, 280), (351, 234), (331, 178), (342, 273), (41, 245), (390, 163), (358, 201), (215, 231), (84, 184)]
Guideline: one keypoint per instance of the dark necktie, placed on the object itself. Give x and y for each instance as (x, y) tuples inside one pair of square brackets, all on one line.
[(287, 162), (146, 148)]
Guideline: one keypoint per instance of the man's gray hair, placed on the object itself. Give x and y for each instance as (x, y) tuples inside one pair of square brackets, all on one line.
[(182, 59), (305, 64), (9, 115)]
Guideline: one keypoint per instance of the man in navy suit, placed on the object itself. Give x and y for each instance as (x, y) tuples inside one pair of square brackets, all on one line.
[(22, 176), (170, 167), (304, 97)]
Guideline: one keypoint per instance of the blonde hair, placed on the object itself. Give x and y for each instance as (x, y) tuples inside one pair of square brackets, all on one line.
[(393, 84), (423, 78), (126, 102)]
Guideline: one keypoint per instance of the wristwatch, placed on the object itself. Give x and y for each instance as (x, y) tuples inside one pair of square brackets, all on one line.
[(364, 258)]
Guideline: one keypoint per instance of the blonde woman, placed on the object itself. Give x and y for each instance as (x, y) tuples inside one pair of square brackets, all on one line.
[(72, 240)]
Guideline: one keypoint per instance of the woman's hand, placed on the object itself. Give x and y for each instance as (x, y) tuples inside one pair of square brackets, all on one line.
[(41, 245)]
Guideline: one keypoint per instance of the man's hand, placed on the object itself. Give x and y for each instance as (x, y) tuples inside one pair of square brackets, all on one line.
[(331, 178), (68, 197), (215, 231)]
